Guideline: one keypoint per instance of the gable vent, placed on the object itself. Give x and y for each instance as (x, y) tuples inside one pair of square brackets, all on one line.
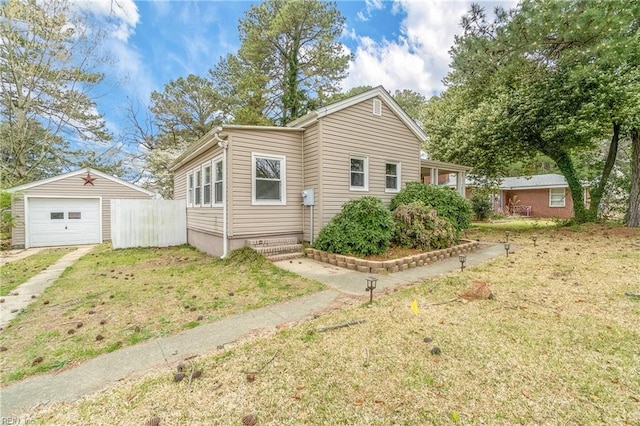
[(377, 107)]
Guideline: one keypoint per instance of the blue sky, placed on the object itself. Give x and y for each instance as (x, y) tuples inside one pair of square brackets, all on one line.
[(400, 44)]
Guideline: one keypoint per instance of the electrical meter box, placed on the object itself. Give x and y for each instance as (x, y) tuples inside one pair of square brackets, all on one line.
[(308, 197)]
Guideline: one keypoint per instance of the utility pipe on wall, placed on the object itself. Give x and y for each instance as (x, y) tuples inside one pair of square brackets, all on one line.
[(224, 145)]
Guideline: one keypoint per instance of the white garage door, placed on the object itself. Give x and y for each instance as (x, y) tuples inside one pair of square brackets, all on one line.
[(63, 221)]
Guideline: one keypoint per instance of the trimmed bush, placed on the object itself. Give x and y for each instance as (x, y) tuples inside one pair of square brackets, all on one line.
[(449, 204), (418, 226), (363, 227)]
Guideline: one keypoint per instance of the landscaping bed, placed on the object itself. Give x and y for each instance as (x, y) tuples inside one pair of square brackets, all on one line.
[(377, 265)]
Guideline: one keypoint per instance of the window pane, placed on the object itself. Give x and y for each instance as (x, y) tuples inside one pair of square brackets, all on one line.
[(357, 165), (218, 171), (267, 168), (207, 175), (75, 215), (206, 194), (267, 190), (57, 215), (218, 192), (392, 182), (392, 169), (357, 179)]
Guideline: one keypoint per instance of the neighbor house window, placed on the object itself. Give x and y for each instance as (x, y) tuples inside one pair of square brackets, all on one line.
[(359, 174), (57, 215), (269, 184), (206, 185), (198, 187), (392, 177), (218, 179), (190, 189), (556, 197), (75, 215)]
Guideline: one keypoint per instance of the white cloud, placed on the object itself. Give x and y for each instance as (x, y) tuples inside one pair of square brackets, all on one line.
[(370, 7), (418, 59), (122, 15)]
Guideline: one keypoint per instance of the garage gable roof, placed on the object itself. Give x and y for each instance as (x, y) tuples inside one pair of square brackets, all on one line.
[(77, 173)]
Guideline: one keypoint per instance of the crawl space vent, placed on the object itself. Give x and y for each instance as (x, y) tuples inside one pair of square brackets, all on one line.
[(377, 107)]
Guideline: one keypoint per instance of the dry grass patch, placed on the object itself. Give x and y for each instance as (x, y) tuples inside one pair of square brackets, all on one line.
[(558, 344), (20, 271), (115, 298)]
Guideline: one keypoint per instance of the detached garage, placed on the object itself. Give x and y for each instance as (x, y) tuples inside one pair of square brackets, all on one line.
[(69, 209)]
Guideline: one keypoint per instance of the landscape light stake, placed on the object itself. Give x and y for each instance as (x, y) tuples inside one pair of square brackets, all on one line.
[(506, 234), (534, 237), (506, 248), (371, 285), (462, 258)]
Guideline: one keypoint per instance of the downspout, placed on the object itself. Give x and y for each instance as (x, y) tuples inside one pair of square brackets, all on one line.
[(225, 238)]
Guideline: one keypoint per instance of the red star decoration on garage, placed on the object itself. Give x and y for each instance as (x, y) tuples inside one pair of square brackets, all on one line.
[(88, 179)]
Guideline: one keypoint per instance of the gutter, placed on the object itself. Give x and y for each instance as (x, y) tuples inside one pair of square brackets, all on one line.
[(224, 144)]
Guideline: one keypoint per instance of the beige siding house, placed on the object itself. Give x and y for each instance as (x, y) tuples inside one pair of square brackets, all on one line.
[(69, 209), (246, 183)]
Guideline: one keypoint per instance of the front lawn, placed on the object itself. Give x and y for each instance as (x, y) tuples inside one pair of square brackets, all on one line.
[(559, 343), (20, 271), (110, 299)]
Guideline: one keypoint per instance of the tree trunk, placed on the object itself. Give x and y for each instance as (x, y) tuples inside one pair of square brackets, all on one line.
[(633, 215), (580, 213), (598, 192)]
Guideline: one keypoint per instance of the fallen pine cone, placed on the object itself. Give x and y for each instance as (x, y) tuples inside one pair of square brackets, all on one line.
[(37, 361), (249, 419), (196, 374), (177, 377), (154, 421)]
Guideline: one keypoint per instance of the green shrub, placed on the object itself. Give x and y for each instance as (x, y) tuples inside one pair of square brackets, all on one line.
[(481, 204), (418, 226), (363, 227), (449, 204)]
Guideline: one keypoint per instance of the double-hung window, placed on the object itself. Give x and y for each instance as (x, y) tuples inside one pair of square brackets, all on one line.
[(198, 187), (218, 178), (359, 175), (190, 189), (557, 197), (206, 185), (269, 179), (392, 177)]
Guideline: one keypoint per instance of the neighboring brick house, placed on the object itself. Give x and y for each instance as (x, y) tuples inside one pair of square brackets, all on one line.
[(544, 196)]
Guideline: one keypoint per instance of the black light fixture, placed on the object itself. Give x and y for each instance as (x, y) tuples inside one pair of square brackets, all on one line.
[(462, 258), (506, 248), (534, 237), (371, 285), (506, 234)]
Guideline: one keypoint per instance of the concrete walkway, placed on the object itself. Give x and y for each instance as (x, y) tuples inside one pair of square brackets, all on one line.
[(30, 290), (106, 370)]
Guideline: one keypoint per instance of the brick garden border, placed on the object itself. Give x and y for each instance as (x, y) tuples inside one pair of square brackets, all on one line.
[(394, 265)]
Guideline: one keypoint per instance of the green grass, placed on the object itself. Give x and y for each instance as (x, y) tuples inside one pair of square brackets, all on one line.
[(558, 344), (15, 273), (114, 298)]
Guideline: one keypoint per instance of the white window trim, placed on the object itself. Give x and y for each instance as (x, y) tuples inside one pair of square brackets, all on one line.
[(398, 176), (564, 197), (283, 180), (204, 166), (366, 173), (190, 200), (213, 181)]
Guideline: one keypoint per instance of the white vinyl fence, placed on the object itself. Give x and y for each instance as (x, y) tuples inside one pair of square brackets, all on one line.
[(148, 223)]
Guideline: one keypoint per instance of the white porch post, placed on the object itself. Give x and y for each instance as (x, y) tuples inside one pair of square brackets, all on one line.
[(460, 182), (434, 176)]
